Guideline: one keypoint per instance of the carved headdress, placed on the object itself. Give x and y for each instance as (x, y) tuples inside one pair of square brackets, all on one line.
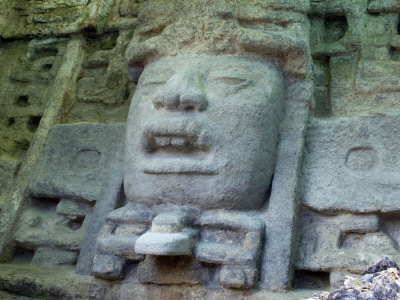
[(275, 29)]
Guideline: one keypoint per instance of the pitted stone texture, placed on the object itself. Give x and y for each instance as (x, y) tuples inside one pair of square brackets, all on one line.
[(238, 277), (8, 170), (53, 17), (75, 160), (275, 29), (229, 237), (169, 222), (352, 164), (167, 243), (203, 131), (49, 256), (108, 267), (345, 242), (172, 270), (384, 283)]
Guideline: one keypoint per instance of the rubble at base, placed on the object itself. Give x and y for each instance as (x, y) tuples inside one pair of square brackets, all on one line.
[(379, 282)]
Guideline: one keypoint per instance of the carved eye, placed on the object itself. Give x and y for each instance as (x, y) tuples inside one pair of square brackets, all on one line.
[(233, 81)]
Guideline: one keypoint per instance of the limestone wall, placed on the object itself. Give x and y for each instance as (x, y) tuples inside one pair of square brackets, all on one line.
[(63, 62)]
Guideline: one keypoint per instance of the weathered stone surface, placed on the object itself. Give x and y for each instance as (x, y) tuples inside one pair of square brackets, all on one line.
[(108, 267), (38, 282), (111, 196), (278, 254), (351, 164), (72, 210), (275, 29), (382, 284), (48, 256), (76, 154), (172, 270), (8, 170), (381, 265), (229, 238), (120, 245), (345, 242), (238, 277), (51, 17), (193, 159), (166, 243)]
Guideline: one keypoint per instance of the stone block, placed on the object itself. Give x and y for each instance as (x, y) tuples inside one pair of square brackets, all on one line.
[(108, 266), (49, 256), (351, 164), (73, 210), (166, 243), (229, 237), (238, 277), (171, 270), (76, 160), (344, 242), (119, 245)]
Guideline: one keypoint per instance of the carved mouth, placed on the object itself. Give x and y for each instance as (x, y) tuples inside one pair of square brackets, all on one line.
[(177, 147), (173, 144)]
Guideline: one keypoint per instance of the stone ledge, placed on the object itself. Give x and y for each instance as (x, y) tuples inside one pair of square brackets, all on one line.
[(39, 281)]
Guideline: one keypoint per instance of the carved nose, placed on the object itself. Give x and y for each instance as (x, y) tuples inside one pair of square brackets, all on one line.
[(182, 92)]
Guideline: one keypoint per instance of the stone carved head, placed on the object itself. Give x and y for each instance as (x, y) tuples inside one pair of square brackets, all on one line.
[(203, 131), (204, 122)]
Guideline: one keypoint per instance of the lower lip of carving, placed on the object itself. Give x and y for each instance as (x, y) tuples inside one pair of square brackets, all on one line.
[(179, 166)]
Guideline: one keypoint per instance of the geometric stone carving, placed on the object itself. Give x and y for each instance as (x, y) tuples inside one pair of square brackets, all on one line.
[(75, 161), (346, 242), (353, 164)]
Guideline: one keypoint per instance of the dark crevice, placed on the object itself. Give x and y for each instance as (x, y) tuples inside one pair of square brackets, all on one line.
[(311, 280), (33, 123), (76, 224), (335, 28), (10, 121), (22, 254), (45, 203), (22, 101)]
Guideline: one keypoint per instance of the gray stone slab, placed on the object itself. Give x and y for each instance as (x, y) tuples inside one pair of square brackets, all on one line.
[(346, 242), (111, 193), (76, 160), (277, 258), (352, 164)]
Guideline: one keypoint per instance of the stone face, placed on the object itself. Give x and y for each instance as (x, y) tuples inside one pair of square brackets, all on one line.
[(178, 148), (76, 154), (351, 164)]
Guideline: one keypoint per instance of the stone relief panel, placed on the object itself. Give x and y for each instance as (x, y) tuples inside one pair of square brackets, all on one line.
[(201, 149), (354, 50), (53, 228), (103, 90), (351, 164)]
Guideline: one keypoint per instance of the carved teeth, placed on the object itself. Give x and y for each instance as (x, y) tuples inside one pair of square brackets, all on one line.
[(162, 141), (179, 142), (173, 143)]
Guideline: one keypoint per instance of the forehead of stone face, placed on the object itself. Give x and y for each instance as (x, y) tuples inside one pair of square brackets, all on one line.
[(274, 29), (211, 68)]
